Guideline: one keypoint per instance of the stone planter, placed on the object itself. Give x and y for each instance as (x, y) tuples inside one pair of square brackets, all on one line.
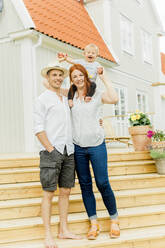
[(160, 165), (139, 137), (159, 146)]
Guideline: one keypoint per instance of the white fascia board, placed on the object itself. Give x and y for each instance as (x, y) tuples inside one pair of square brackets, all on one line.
[(23, 14), (157, 17)]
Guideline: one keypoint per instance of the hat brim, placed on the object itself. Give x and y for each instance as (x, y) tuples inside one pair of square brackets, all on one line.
[(45, 70)]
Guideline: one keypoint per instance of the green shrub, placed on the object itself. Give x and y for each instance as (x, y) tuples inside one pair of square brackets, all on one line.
[(157, 153)]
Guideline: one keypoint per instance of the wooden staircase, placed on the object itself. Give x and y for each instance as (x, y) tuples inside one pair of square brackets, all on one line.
[(139, 190)]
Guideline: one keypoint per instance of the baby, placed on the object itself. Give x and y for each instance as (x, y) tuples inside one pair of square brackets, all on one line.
[(93, 68)]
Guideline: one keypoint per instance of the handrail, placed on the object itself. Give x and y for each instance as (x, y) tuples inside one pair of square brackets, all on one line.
[(113, 116), (158, 84)]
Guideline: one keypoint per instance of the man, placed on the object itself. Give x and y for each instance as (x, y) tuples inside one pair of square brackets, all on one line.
[(52, 126)]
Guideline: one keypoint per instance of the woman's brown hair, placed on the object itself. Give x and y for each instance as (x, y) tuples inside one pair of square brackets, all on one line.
[(86, 78)]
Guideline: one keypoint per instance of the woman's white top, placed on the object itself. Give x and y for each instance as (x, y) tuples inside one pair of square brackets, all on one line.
[(87, 131)]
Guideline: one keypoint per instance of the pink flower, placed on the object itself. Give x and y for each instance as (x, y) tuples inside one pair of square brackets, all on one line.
[(150, 133)]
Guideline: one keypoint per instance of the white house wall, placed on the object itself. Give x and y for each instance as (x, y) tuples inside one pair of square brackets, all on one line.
[(11, 102), (142, 18), (9, 21), (132, 72)]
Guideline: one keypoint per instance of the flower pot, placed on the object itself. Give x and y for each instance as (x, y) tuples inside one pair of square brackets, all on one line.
[(160, 165), (139, 137)]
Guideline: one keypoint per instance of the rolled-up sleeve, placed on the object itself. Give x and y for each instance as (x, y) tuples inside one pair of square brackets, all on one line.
[(39, 116)]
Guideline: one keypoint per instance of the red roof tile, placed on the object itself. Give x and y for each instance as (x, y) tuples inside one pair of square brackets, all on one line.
[(163, 62), (67, 21)]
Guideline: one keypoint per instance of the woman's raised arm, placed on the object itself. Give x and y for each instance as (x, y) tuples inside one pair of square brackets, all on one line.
[(109, 96)]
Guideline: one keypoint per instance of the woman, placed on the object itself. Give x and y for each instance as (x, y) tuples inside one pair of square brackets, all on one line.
[(88, 137)]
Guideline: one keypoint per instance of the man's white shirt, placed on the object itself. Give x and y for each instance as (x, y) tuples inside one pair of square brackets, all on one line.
[(53, 116)]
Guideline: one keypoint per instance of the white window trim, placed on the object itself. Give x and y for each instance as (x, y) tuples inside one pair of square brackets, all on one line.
[(119, 86), (124, 50), (147, 61), (140, 2), (146, 96), (125, 120)]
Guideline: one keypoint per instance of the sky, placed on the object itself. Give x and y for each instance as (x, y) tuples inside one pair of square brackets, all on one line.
[(160, 5)]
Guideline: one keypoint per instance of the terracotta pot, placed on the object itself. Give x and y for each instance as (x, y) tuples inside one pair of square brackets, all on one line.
[(139, 137)]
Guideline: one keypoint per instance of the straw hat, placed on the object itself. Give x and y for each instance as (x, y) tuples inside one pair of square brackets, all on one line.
[(53, 66)]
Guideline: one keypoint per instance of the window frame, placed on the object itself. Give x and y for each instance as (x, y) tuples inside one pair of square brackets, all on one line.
[(142, 93), (140, 2), (131, 50), (121, 122), (148, 60)]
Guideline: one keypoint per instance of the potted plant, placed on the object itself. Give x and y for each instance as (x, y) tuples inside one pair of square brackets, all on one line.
[(140, 125), (157, 149)]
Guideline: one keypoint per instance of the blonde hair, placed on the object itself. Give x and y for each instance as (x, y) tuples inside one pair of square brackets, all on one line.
[(92, 46)]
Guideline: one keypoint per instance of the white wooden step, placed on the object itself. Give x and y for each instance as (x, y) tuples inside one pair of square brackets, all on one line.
[(16, 175), (30, 160), (30, 190), (32, 228), (23, 208), (146, 237)]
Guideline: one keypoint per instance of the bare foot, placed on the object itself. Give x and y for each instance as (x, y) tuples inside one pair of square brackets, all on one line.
[(68, 235), (49, 242)]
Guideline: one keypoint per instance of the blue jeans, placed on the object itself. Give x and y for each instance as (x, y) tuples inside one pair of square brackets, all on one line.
[(98, 157)]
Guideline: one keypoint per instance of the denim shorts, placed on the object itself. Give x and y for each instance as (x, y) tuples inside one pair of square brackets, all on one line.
[(56, 169)]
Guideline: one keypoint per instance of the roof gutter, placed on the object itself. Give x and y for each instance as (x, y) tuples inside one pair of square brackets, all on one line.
[(20, 34), (16, 35)]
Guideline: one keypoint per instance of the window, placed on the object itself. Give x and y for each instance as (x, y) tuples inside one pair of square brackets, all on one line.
[(147, 46), (141, 101), (126, 34), (120, 108)]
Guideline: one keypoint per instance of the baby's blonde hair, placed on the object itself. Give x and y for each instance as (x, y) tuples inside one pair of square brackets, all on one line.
[(92, 46)]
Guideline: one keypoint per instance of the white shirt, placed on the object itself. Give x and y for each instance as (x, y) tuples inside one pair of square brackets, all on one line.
[(53, 116), (87, 131)]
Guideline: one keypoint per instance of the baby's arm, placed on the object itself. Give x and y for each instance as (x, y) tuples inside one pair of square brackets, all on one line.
[(65, 57)]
